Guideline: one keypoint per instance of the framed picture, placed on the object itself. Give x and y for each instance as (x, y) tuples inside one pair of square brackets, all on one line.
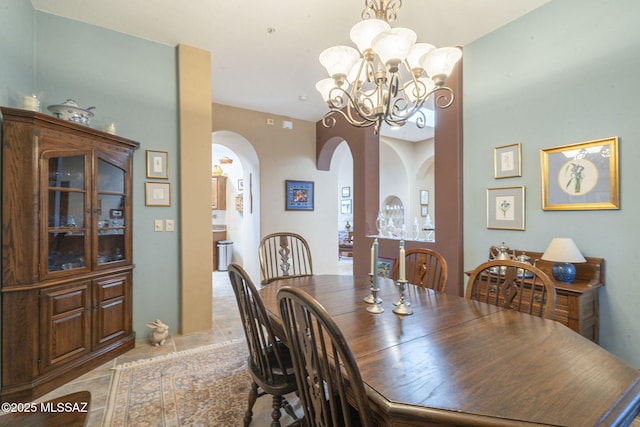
[(424, 197), (424, 210), (507, 161), (581, 176), (346, 191), (345, 206), (385, 265), (116, 213), (157, 164), (505, 208), (157, 193), (299, 195)]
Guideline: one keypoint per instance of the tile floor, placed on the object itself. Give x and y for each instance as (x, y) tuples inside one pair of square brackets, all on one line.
[(226, 326)]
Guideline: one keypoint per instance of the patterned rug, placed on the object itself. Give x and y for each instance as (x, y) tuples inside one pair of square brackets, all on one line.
[(206, 386)]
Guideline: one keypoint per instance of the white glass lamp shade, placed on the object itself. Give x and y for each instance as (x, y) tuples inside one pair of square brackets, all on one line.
[(393, 46), (324, 86), (338, 60), (364, 32), (416, 52), (439, 63), (563, 249)]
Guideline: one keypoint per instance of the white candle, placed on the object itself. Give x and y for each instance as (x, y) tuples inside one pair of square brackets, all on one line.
[(402, 267), (373, 255), (30, 103), (375, 263)]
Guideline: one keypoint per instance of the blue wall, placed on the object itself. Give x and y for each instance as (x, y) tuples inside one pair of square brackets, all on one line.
[(565, 73), (17, 49), (130, 81)]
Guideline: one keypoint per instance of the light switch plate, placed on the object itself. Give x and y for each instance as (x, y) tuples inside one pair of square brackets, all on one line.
[(169, 225), (157, 225)]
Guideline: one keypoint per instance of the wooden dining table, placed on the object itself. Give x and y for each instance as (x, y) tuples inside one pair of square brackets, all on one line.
[(461, 362)]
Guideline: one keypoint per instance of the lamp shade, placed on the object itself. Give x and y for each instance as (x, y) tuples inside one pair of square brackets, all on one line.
[(563, 249), (393, 46), (417, 51), (338, 60), (364, 31), (439, 63), (324, 86)]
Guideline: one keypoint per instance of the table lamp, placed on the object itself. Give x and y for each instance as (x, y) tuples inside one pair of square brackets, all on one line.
[(564, 252)]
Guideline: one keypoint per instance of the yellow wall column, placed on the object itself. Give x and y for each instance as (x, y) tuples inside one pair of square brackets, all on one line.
[(194, 87)]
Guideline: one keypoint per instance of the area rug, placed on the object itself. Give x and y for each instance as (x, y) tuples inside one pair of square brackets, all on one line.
[(205, 386)]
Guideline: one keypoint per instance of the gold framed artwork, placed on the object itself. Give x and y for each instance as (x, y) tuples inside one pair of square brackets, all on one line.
[(507, 161), (157, 164), (157, 193), (581, 176), (505, 208)]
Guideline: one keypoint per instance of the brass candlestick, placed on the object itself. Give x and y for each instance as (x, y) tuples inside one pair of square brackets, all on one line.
[(402, 306), (373, 298)]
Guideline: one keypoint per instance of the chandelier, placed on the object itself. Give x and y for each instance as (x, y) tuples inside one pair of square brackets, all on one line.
[(392, 79)]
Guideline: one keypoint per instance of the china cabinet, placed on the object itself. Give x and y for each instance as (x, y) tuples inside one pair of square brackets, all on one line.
[(66, 251)]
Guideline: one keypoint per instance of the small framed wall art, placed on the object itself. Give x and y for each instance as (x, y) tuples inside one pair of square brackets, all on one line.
[(505, 208), (424, 197), (157, 193), (507, 161), (345, 206), (157, 164), (581, 176), (299, 195)]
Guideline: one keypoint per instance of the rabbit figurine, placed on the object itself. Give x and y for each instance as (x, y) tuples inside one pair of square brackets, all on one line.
[(159, 333)]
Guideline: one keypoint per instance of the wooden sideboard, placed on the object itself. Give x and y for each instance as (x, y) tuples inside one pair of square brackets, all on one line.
[(577, 303)]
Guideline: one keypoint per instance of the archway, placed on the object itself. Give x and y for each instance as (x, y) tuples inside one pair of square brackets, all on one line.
[(243, 226)]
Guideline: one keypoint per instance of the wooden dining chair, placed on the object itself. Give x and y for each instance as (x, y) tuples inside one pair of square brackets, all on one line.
[(269, 360), (424, 267), (284, 255), (330, 387), (515, 285)]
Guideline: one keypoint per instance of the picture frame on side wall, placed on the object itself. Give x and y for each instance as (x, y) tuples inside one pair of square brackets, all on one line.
[(157, 164), (385, 265), (299, 195), (345, 206), (424, 197), (507, 161), (157, 193), (581, 176), (505, 208)]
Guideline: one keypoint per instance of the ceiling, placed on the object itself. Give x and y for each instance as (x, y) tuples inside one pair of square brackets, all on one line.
[(264, 53)]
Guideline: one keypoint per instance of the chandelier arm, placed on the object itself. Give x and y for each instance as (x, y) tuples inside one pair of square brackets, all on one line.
[(329, 121), (441, 100)]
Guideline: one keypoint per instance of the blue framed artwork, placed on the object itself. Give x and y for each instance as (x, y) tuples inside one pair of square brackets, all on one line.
[(299, 195), (385, 265)]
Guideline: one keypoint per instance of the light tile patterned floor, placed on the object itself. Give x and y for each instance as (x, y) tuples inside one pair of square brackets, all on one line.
[(226, 326)]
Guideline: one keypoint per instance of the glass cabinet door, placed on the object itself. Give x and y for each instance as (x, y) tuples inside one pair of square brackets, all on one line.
[(111, 220), (66, 234)]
